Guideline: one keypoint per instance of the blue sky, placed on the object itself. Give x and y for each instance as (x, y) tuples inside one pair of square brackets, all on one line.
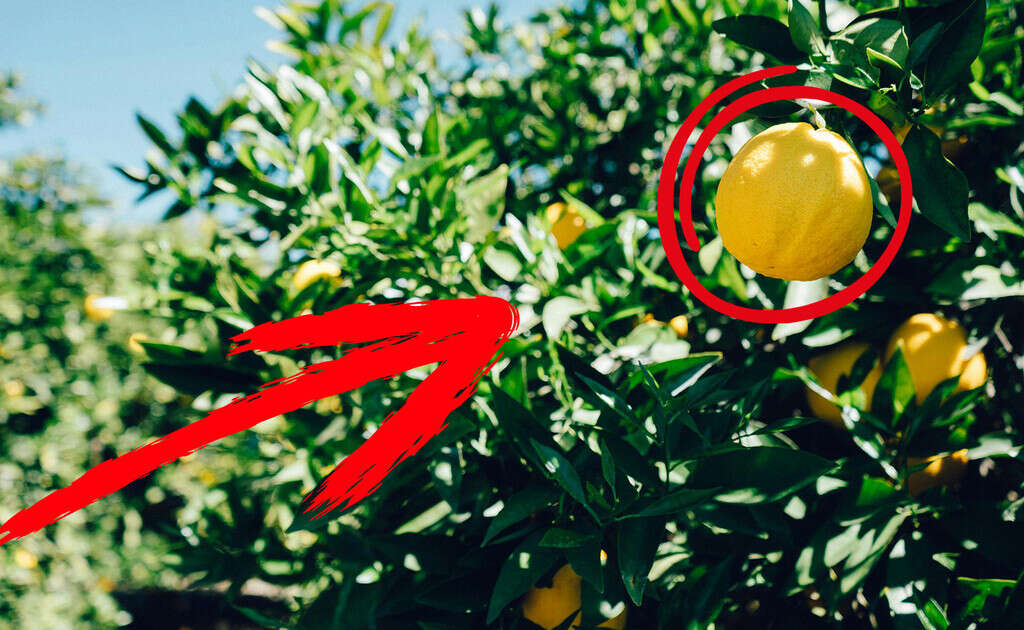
[(95, 64)]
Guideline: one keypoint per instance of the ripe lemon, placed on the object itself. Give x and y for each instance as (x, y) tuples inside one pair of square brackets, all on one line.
[(566, 224), (549, 607), (794, 203), (25, 559), (944, 470), (827, 368), (135, 341), (312, 270), (96, 310), (680, 325), (14, 389), (932, 346)]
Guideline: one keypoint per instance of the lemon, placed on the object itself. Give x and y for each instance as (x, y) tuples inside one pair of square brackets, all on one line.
[(14, 389), (794, 203), (25, 559), (548, 607), (828, 368), (106, 584), (95, 310), (888, 181), (944, 470), (313, 270), (933, 347), (135, 341), (566, 224), (207, 477), (680, 325)]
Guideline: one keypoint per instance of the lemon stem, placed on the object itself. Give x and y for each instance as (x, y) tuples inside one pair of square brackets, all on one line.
[(819, 120)]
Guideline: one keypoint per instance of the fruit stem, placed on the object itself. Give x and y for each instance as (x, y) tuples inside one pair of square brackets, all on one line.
[(819, 120)]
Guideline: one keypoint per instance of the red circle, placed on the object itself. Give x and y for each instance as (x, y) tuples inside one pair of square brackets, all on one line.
[(666, 214)]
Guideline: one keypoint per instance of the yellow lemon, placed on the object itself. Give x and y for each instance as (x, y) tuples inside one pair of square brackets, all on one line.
[(933, 347), (14, 389), (888, 181), (548, 607), (566, 224), (95, 310), (828, 368), (794, 203), (944, 470), (135, 342), (25, 559), (207, 477), (313, 270), (680, 325)]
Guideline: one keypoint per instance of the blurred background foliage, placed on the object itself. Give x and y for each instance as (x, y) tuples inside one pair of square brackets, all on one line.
[(359, 170)]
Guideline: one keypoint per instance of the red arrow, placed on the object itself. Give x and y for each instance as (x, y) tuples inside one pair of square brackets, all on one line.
[(461, 335)]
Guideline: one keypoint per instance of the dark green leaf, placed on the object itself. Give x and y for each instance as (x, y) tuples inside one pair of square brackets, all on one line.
[(638, 542), (762, 34), (759, 474), (939, 187)]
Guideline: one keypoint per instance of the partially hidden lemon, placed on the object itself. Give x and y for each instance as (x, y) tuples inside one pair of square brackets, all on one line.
[(941, 470), (25, 559), (95, 310), (14, 389), (566, 224), (933, 348), (313, 270), (828, 368), (794, 203), (549, 607), (680, 325), (135, 341)]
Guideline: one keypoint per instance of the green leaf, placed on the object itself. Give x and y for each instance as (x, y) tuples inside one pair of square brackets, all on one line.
[(964, 281), (760, 474), (802, 30), (156, 136), (520, 425), (990, 221), (873, 538), (305, 115), (939, 187), (895, 389), (671, 503), (559, 468), (956, 48), (523, 568), (881, 35), (800, 294), (638, 542), (978, 592), (586, 562), (557, 313), (503, 263), (761, 33), (605, 398), (517, 508), (559, 538), (196, 378), (482, 202)]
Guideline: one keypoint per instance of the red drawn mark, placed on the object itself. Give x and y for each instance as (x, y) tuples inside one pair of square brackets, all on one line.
[(666, 210), (461, 335)]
